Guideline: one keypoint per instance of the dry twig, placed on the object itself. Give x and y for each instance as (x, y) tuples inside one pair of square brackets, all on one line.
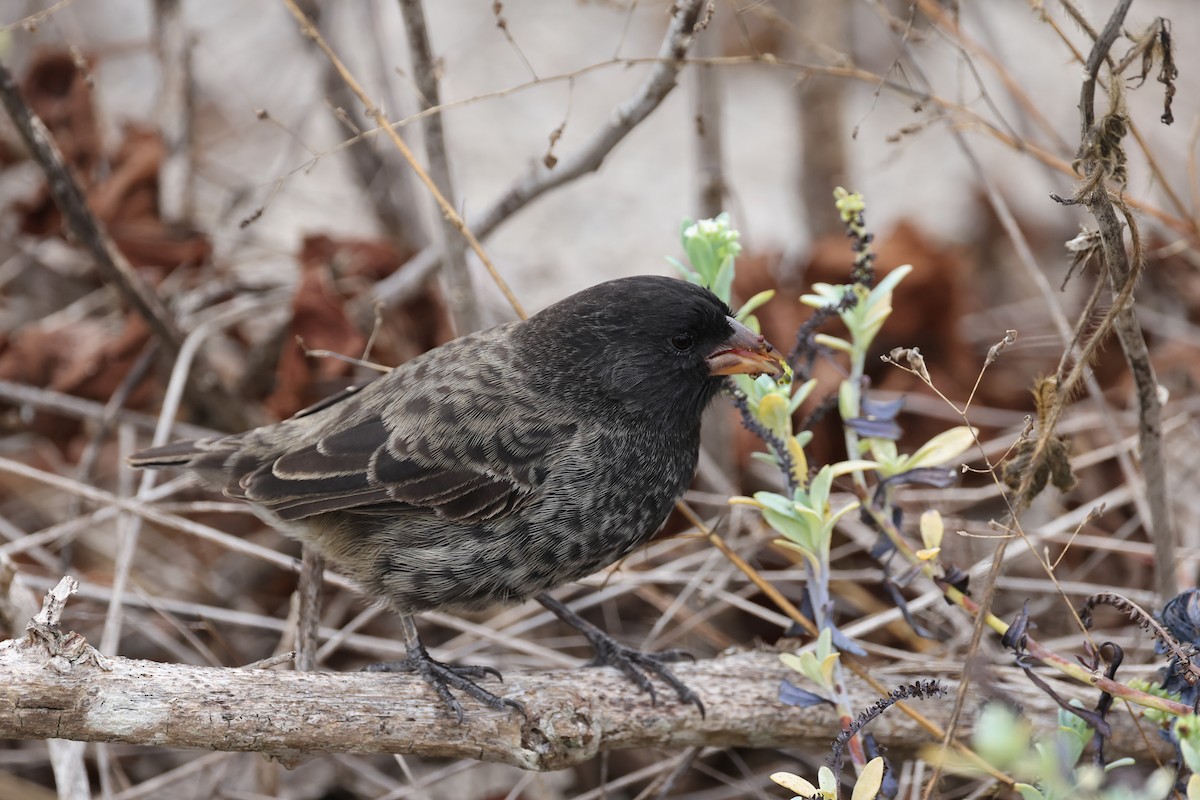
[(627, 116)]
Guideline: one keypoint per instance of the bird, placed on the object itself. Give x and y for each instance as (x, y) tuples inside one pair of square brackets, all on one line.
[(502, 464)]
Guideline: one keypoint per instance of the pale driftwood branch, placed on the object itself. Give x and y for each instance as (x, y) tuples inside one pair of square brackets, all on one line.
[(821, 115), (405, 283), (56, 686), (464, 305)]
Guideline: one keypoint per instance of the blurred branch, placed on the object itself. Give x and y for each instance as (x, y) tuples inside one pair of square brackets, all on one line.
[(308, 591), (818, 103), (406, 283), (709, 162), (464, 305), (72, 407), (57, 686), (373, 111), (388, 181), (658, 84), (174, 110), (91, 234)]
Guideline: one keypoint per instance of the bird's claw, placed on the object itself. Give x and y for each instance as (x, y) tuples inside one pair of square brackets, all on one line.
[(634, 664), (442, 677)]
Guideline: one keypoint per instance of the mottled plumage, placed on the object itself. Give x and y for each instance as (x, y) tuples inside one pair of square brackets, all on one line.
[(505, 463)]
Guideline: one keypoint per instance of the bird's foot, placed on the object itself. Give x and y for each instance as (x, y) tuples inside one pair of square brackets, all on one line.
[(442, 677), (635, 664)]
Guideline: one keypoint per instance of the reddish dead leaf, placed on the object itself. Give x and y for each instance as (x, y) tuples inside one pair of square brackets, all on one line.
[(328, 314), (88, 358), (126, 198), (127, 201), (60, 96)]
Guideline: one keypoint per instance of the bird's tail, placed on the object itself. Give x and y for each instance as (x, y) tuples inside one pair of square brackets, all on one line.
[(179, 454)]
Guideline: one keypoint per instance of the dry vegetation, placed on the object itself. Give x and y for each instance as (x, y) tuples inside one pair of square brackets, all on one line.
[(151, 287)]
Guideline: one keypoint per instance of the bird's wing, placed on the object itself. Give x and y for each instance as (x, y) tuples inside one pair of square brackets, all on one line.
[(439, 462)]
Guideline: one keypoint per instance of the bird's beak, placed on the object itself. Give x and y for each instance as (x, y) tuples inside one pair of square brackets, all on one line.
[(745, 353)]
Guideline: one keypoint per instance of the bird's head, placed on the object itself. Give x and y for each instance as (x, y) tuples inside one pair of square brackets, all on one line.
[(656, 346)]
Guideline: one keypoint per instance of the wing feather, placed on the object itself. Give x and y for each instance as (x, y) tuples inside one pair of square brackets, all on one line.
[(442, 433)]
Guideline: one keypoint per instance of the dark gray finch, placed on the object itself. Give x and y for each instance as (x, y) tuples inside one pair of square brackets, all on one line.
[(503, 464)]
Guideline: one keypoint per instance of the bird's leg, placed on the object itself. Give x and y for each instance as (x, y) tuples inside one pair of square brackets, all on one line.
[(444, 676), (633, 663)]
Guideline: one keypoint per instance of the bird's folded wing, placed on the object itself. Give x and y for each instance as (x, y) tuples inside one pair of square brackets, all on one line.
[(367, 468)]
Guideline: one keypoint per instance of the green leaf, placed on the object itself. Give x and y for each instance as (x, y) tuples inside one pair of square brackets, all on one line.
[(792, 661), (723, 280), (766, 458), (799, 395), (848, 400), (1000, 737), (818, 490), (884, 451), (889, 282), (789, 527), (854, 465), (773, 412), (837, 515), (1028, 792), (827, 781), (1191, 756), (833, 343), (754, 303), (700, 254), (683, 227), (932, 529)]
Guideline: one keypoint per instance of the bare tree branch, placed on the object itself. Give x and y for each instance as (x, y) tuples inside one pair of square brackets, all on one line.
[(389, 183), (174, 112), (710, 164), (464, 305), (374, 112), (53, 688), (405, 282)]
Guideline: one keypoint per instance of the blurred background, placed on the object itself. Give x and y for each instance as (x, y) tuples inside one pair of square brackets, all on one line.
[(244, 183)]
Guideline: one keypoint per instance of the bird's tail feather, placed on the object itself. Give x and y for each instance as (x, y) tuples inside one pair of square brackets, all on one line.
[(178, 454)]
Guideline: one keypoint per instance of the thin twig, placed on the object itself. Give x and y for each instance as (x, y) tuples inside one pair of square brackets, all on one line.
[(308, 590), (174, 111), (710, 164), (72, 407), (374, 112), (464, 304), (658, 84)]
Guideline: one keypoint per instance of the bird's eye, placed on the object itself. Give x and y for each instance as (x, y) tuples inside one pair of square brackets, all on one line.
[(682, 342)]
